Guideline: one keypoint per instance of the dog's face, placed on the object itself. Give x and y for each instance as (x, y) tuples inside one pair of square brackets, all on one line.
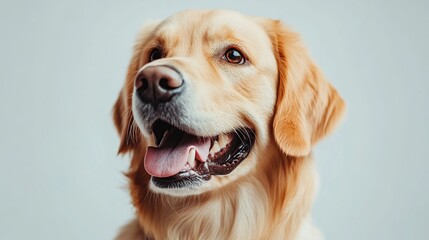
[(211, 91), (201, 98)]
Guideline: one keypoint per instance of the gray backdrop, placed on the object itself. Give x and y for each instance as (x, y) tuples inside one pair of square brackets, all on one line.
[(63, 62)]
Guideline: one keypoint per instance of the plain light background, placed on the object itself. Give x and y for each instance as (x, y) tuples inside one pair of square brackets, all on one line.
[(62, 64)]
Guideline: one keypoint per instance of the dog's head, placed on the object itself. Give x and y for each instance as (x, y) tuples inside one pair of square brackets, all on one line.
[(210, 94)]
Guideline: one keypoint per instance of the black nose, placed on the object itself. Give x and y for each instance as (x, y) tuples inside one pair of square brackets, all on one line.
[(158, 84)]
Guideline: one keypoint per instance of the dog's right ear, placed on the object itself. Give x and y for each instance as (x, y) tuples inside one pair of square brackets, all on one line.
[(122, 112), (123, 120)]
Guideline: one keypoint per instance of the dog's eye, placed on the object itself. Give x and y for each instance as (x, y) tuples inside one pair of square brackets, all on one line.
[(232, 55), (155, 54)]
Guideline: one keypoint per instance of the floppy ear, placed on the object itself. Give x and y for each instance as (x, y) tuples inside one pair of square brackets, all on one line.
[(122, 113), (123, 120), (307, 107)]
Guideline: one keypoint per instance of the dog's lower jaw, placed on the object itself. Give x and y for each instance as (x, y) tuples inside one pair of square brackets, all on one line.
[(186, 191), (246, 209)]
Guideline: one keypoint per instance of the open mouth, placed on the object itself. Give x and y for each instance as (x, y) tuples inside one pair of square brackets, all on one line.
[(181, 159)]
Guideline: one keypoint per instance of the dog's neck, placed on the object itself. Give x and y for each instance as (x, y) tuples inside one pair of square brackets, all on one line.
[(246, 207)]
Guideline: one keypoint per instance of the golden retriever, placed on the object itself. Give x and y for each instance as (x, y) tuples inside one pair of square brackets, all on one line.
[(219, 112)]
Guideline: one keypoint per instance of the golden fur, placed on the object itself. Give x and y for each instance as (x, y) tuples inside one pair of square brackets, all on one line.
[(280, 94)]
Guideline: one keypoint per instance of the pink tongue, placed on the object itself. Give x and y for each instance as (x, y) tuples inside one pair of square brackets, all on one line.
[(171, 156)]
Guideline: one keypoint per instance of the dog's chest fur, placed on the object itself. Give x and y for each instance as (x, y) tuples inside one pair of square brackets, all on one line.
[(242, 211)]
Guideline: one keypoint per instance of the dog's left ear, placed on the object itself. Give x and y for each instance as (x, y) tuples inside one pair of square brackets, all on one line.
[(307, 107)]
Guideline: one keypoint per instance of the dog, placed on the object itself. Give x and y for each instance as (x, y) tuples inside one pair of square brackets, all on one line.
[(219, 112)]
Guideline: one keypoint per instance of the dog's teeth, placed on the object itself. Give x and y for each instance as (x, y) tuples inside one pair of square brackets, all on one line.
[(165, 133), (163, 137), (191, 158), (187, 167), (215, 148), (223, 140)]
